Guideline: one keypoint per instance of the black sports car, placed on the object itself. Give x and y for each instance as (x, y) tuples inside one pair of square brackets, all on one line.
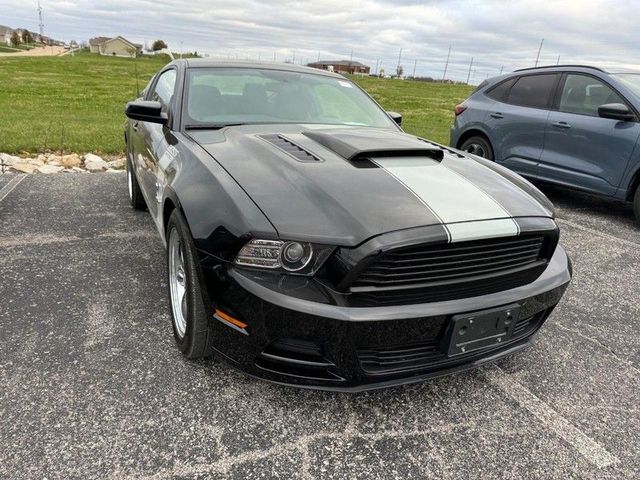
[(311, 242)]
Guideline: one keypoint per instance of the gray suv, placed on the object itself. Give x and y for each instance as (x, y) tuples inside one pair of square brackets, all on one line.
[(576, 126)]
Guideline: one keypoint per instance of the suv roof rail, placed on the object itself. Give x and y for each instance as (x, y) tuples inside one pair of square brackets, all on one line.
[(561, 66)]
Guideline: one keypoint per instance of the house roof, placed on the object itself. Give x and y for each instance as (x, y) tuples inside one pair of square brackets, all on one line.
[(346, 63), (5, 30), (119, 37), (98, 40)]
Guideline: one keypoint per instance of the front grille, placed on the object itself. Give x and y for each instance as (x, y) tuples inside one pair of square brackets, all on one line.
[(429, 273), (428, 354)]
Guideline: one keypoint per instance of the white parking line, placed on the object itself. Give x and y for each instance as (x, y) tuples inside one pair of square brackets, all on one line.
[(586, 446), (13, 183)]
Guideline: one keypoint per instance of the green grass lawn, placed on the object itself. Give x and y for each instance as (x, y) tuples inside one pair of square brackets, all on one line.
[(75, 103), (426, 108)]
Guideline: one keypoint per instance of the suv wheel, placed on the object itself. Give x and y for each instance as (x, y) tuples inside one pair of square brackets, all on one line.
[(478, 146)]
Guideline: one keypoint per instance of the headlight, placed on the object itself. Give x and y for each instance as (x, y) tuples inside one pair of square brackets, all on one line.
[(296, 257)]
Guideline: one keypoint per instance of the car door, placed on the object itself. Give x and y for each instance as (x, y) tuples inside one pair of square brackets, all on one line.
[(518, 118), (582, 149), (151, 141)]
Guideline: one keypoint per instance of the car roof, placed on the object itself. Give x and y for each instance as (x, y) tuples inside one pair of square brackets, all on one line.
[(286, 67)]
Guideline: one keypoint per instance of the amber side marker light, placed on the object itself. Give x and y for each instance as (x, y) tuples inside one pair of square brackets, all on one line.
[(229, 321)]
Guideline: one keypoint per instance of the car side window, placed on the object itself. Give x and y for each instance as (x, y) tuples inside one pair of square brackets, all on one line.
[(500, 91), (164, 88), (583, 94), (533, 90)]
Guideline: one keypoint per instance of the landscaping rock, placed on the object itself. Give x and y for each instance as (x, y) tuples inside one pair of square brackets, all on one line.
[(49, 159), (9, 160), (34, 161), (72, 160), (24, 167), (94, 163), (49, 169), (117, 164)]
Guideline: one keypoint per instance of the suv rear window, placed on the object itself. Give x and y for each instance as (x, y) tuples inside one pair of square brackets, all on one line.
[(500, 91), (533, 90)]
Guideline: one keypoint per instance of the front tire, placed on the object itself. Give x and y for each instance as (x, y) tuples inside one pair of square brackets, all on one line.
[(135, 193), (479, 146), (191, 327)]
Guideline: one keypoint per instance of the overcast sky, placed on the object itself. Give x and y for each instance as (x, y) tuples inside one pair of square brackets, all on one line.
[(496, 33)]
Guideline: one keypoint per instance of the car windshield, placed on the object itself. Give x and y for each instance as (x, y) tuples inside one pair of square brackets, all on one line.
[(221, 96), (630, 80)]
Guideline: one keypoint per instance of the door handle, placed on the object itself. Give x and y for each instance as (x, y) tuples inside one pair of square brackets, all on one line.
[(561, 124), (496, 115)]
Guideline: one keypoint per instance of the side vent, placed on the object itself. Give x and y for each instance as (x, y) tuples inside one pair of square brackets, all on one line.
[(293, 149)]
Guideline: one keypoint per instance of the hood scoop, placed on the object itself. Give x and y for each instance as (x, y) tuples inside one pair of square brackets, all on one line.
[(290, 147), (363, 144)]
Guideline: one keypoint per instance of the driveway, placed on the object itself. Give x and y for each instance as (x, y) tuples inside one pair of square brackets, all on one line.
[(93, 387)]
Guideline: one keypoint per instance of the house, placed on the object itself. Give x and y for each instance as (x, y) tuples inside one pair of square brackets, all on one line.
[(5, 35), (94, 43), (341, 66), (117, 46)]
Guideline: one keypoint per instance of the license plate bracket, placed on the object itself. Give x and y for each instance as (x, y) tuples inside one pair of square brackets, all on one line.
[(474, 331)]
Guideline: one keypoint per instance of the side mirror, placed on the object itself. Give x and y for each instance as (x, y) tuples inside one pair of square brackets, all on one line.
[(146, 111), (396, 117), (616, 111)]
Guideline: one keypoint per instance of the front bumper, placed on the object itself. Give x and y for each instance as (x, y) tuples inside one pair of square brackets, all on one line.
[(298, 334)]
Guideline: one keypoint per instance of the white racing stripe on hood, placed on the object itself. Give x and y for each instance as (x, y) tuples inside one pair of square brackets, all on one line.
[(452, 198)]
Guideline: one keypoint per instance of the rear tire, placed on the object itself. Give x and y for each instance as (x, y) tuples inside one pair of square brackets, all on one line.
[(479, 146), (191, 326), (135, 193), (636, 204)]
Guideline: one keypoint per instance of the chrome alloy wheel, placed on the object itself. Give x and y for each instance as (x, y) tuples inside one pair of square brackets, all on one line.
[(177, 283), (476, 149)]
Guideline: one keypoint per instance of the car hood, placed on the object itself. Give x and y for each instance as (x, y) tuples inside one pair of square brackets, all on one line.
[(342, 186)]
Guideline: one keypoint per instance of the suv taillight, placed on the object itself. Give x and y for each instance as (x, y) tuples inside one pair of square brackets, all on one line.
[(459, 109)]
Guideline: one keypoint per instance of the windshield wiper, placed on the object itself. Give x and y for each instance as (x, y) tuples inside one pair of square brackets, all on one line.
[(211, 126)]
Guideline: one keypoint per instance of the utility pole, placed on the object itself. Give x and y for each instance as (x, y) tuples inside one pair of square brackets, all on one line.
[(351, 56), (40, 22), (446, 64), (399, 60), (539, 50), (558, 62), (415, 62), (180, 48), (377, 62), (501, 69), (469, 74)]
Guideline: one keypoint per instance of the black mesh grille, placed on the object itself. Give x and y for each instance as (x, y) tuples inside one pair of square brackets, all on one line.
[(441, 263), (428, 354), (430, 273), (291, 148)]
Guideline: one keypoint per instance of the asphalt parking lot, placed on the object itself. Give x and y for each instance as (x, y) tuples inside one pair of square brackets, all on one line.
[(91, 385)]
